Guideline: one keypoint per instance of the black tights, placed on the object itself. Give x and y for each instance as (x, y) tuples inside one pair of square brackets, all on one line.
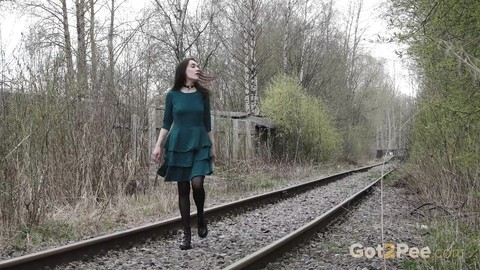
[(184, 198)]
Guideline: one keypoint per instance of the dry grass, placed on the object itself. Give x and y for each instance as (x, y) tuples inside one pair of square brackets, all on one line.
[(452, 215), (442, 186)]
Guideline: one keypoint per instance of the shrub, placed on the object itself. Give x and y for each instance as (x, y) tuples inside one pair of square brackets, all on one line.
[(305, 130)]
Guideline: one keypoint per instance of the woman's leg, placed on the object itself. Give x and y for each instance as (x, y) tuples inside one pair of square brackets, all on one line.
[(198, 193), (184, 202), (184, 205), (199, 198)]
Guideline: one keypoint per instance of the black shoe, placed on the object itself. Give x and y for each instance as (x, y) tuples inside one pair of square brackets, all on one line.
[(187, 239), (202, 227)]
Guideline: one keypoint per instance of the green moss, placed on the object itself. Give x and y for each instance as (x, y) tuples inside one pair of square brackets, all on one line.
[(109, 224), (47, 232)]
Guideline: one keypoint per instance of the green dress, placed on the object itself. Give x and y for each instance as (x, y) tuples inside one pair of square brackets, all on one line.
[(187, 147)]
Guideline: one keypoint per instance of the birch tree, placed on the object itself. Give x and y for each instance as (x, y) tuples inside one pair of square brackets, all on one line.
[(248, 18), (250, 37)]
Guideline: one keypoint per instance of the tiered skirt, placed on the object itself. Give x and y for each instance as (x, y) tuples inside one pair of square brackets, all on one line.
[(186, 154)]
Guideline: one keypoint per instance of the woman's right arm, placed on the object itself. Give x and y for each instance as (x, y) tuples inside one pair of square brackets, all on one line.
[(157, 151), (167, 123)]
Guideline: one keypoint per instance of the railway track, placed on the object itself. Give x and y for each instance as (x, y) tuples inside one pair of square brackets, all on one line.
[(126, 239), (275, 250)]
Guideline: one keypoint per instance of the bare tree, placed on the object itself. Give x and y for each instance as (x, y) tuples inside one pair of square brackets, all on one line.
[(207, 43), (174, 28), (288, 13), (353, 36)]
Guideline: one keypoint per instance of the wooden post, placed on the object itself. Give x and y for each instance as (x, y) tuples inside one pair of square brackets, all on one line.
[(135, 127), (235, 140), (248, 139)]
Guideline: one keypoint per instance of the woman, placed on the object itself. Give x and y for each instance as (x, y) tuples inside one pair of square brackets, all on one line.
[(188, 150)]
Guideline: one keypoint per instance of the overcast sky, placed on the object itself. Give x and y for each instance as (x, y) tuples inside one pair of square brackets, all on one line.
[(12, 25), (371, 19)]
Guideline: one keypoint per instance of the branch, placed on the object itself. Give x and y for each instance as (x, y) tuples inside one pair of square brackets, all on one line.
[(165, 15), (467, 59), (197, 36)]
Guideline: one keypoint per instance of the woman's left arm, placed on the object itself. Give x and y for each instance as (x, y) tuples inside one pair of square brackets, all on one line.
[(207, 121), (212, 139)]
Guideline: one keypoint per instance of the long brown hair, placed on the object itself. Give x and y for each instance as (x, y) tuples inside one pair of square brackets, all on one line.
[(202, 84)]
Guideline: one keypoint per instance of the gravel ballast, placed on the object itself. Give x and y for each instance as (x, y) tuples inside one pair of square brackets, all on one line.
[(234, 237), (331, 249)]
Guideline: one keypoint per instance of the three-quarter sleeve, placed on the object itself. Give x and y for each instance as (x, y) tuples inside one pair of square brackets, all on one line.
[(207, 121), (168, 113)]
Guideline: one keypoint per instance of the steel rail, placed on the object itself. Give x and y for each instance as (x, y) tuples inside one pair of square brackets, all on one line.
[(88, 248), (274, 250)]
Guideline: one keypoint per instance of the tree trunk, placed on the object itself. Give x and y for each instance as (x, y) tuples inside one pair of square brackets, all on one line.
[(248, 106), (111, 60), (181, 16), (82, 49), (93, 48), (68, 47), (288, 13), (304, 42), (253, 62), (352, 53), (251, 75)]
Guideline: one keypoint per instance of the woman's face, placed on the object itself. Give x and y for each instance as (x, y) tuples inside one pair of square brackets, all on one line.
[(192, 71)]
